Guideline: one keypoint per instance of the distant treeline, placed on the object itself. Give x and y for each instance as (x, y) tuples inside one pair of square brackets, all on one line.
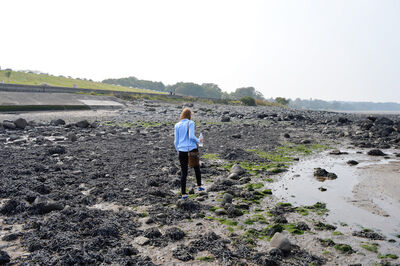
[(315, 104), (205, 90)]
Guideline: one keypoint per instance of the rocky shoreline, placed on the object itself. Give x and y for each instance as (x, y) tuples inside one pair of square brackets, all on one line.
[(105, 190)]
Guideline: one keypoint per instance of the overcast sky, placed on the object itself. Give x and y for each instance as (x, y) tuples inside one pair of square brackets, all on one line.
[(330, 50)]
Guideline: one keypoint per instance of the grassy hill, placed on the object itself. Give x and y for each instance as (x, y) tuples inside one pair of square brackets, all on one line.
[(19, 77)]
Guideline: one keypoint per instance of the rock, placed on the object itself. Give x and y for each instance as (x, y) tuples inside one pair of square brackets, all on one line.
[(71, 136), (20, 123), (236, 136), (234, 212), (331, 176), (152, 232), (149, 220), (319, 172), (225, 119), (352, 162), (322, 189), (141, 240), (9, 125), (280, 219), (221, 212), (368, 233), (281, 242), (82, 124), (182, 253), (234, 176), (376, 152), (11, 237), (175, 233), (129, 251), (12, 207), (237, 169), (4, 257), (226, 199), (275, 252), (343, 120), (337, 152), (286, 135), (188, 205), (56, 150), (306, 141), (43, 205), (57, 122), (302, 226)]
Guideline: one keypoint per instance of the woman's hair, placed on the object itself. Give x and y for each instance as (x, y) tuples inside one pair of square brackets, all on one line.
[(186, 113)]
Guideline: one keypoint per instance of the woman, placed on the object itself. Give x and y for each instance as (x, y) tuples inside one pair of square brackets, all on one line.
[(186, 141)]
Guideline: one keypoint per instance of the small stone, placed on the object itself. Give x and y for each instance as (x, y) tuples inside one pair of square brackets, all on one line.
[(71, 136), (141, 240), (56, 150), (286, 135), (376, 152), (221, 212), (352, 162), (225, 119), (149, 221), (236, 136), (175, 233), (322, 189), (57, 122), (4, 257)]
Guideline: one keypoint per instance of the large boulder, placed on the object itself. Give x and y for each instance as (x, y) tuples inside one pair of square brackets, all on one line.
[(280, 241), (20, 123)]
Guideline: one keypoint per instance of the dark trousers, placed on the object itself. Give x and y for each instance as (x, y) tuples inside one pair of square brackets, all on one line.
[(184, 159)]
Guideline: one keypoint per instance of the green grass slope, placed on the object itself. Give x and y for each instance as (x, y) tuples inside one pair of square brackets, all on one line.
[(18, 77)]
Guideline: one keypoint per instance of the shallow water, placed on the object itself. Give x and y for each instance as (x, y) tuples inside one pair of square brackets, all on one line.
[(299, 187)]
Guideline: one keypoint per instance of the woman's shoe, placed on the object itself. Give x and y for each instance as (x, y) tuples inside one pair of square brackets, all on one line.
[(185, 197), (201, 189)]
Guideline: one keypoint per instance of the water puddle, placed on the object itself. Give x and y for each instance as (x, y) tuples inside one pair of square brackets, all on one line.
[(366, 195)]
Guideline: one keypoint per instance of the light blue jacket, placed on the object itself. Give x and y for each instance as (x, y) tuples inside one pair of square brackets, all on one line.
[(183, 142)]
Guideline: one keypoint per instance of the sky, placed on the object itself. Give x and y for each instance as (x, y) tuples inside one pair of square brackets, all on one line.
[(330, 50)]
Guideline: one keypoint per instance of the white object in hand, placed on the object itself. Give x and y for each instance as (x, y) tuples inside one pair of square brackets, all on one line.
[(201, 138)]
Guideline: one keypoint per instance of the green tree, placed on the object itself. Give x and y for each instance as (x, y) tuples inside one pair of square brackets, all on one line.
[(8, 74), (212, 90), (247, 91), (249, 101), (282, 100)]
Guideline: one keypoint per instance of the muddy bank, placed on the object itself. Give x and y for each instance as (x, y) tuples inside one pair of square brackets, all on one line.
[(106, 191)]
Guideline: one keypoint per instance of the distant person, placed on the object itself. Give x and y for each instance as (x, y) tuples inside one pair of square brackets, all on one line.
[(185, 142)]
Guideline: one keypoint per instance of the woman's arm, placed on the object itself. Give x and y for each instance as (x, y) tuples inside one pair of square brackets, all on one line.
[(176, 138), (191, 133)]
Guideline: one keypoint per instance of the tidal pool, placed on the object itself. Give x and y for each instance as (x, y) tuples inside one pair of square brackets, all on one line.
[(366, 195)]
